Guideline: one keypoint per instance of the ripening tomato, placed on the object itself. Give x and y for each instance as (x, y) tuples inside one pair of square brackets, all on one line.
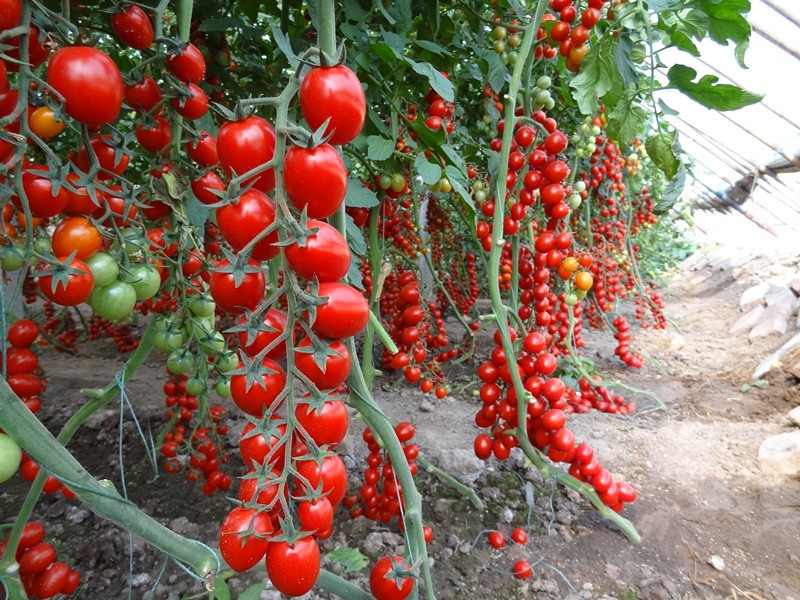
[(143, 95), (90, 83), (253, 397), (76, 234), (326, 425), (334, 93), (188, 64), (384, 585), (274, 324), (315, 179), (193, 106), (77, 288), (244, 145), (232, 298), (239, 541), (43, 123), (332, 474), (204, 150), (294, 570), (325, 255), (344, 314), (336, 364), (133, 27), (239, 223)]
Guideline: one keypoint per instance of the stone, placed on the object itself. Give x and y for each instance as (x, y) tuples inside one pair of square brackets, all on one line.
[(795, 285), (717, 562), (461, 464), (373, 545), (794, 416), (748, 320), (781, 300), (771, 323), (753, 296), (780, 454)]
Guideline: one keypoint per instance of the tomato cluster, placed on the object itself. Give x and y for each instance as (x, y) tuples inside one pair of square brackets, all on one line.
[(21, 365), (41, 574), (571, 38)]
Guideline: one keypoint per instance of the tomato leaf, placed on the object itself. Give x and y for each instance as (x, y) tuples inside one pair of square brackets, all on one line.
[(627, 118), (709, 93), (253, 592), (221, 590), (440, 85), (599, 75), (727, 22), (660, 149), (358, 196), (282, 40), (459, 182), (401, 11), (497, 71), (379, 148), (350, 558), (624, 62), (354, 237), (672, 192), (430, 172), (432, 47), (354, 276)]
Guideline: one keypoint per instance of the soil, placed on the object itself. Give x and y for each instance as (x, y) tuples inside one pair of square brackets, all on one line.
[(713, 525)]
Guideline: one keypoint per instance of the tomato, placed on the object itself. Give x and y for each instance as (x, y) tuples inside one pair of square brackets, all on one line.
[(133, 27), (344, 314), (260, 394), (315, 179), (274, 324), (76, 289), (23, 333), (193, 106), (78, 234), (246, 144), (556, 142), (188, 64), (325, 256), (384, 585), (104, 148), (10, 14), (25, 385), (20, 360), (232, 298), (155, 138), (332, 474), (114, 301), (202, 187), (333, 93), (38, 50), (496, 540), (90, 83), (293, 570), (336, 364), (519, 536), (104, 268), (39, 192), (241, 222), (10, 457), (522, 569), (143, 95), (36, 559), (269, 487), (327, 425), (239, 541), (32, 534), (51, 581), (316, 515), (144, 279), (203, 151), (44, 124)]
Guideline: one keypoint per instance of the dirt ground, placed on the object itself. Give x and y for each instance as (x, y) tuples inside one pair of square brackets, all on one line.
[(712, 524)]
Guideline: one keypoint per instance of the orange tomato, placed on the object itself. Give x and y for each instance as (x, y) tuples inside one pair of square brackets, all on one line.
[(570, 264), (76, 234), (43, 123), (584, 281)]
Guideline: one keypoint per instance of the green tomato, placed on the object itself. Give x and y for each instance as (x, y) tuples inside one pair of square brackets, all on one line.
[(144, 279), (195, 386), (580, 294), (202, 327), (480, 197), (212, 343), (499, 32), (574, 201), (570, 299), (10, 457), (384, 182), (172, 337), (223, 388), (104, 268), (115, 301), (542, 96), (13, 259), (515, 40), (550, 103), (132, 242), (226, 361), (42, 245), (398, 183), (544, 82), (202, 306), (180, 361)]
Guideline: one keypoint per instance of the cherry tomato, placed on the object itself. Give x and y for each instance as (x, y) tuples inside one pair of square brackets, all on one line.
[(260, 394), (76, 234), (188, 64), (344, 314), (75, 290), (294, 570), (133, 27), (334, 93), (239, 541), (326, 254), (241, 222), (336, 364), (246, 144), (332, 474), (385, 586), (327, 425), (232, 298), (315, 179)]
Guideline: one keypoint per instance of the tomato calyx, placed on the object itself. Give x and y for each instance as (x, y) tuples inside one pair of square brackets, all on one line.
[(303, 139)]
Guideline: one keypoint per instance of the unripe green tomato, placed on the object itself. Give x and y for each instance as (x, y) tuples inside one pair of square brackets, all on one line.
[(574, 201), (477, 186), (202, 327), (202, 306), (42, 245), (180, 361), (14, 259), (398, 183), (503, 56), (445, 187), (514, 40), (195, 386), (590, 148), (480, 197), (223, 388), (581, 294), (132, 242), (499, 46), (104, 268), (171, 338), (550, 103), (585, 129), (10, 457), (542, 96), (580, 186), (544, 82), (226, 361), (512, 58), (596, 130), (114, 301), (384, 182), (144, 279), (570, 299), (212, 343), (499, 32)]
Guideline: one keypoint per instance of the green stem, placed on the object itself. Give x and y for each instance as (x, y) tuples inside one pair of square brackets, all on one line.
[(375, 256), (452, 482), (185, 8), (326, 15), (340, 587), (386, 339)]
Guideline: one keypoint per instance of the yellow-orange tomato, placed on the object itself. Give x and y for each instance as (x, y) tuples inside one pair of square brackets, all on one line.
[(570, 264), (563, 273), (584, 281), (76, 234), (43, 123)]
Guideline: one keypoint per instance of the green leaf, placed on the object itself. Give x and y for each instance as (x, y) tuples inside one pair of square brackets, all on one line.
[(430, 172), (358, 196), (671, 192), (459, 182), (624, 61), (741, 49), (354, 237), (441, 86), (683, 42), (497, 72), (709, 93), (379, 148), (353, 10), (432, 47), (727, 22), (666, 109), (627, 119), (401, 11), (394, 41), (454, 158), (252, 593), (221, 590), (350, 558), (659, 148), (694, 23), (659, 5), (282, 40), (382, 51), (354, 276), (599, 75)]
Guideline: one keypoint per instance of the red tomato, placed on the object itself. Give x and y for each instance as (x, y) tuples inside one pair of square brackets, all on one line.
[(20, 360), (246, 144), (519, 536), (155, 138), (38, 51), (274, 326), (294, 570), (77, 288), (188, 64), (269, 488), (25, 385), (23, 333), (10, 14), (254, 446), (133, 27), (496, 540), (384, 585), (36, 559), (260, 395), (202, 186), (332, 474), (90, 83), (315, 179), (344, 314), (51, 581), (336, 364), (204, 150), (39, 192), (239, 544), (232, 298), (194, 106), (334, 93), (241, 222), (143, 95), (81, 201), (327, 425), (325, 256), (315, 516), (106, 156)]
